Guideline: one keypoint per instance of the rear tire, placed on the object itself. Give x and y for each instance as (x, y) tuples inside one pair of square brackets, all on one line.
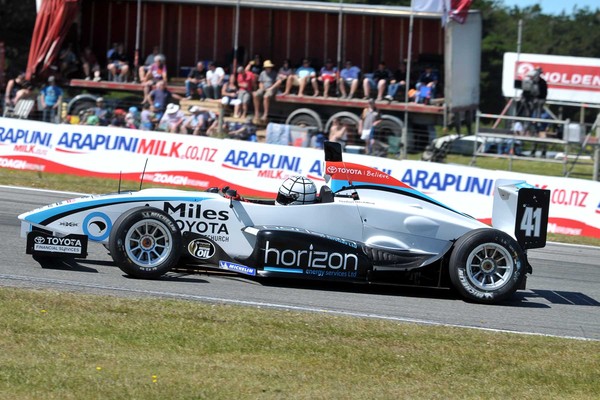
[(487, 266), (145, 242)]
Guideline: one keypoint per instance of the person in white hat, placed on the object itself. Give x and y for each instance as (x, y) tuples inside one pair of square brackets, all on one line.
[(198, 121), (267, 88), (172, 120)]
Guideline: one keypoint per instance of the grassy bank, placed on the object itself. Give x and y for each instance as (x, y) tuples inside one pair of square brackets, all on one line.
[(66, 346)]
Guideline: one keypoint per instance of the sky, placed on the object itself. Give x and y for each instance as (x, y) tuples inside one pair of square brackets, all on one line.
[(555, 7)]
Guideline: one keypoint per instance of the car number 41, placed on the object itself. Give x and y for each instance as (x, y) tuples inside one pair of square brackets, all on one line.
[(531, 222)]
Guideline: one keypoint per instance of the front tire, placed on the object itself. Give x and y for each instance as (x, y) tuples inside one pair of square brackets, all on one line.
[(145, 242), (487, 266)]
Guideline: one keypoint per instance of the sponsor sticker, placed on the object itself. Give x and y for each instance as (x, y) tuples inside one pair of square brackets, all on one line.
[(233, 267), (42, 243), (201, 248)]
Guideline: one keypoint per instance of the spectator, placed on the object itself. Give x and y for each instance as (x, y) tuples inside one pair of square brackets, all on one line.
[(245, 81), (51, 98), (214, 80), (229, 95), (369, 120), (397, 82), (130, 121), (160, 97), (147, 117), (101, 111), (118, 66), (284, 73), (255, 66), (327, 75), (349, 79), (156, 72), (89, 64), (67, 61), (92, 120), (267, 87), (26, 92), (12, 88), (198, 122), (172, 120), (245, 132), (150, 59), (118, 119), (428, 79), (338, 132), (301, 77), (195, 81), (379, 80)]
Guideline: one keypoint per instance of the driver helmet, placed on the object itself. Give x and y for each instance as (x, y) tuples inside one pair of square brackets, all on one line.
[(296, 190)]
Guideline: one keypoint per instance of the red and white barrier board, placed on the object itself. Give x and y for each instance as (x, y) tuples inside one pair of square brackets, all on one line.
[(256, 169), (573, 79)]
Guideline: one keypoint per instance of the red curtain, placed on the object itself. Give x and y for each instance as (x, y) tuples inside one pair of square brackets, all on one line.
[(52, 24)]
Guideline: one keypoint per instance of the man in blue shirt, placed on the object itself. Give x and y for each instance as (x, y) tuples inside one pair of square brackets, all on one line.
[(51, 98), (349, 78)]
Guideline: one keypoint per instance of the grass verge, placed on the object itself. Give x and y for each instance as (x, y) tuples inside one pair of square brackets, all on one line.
[(65, 346)]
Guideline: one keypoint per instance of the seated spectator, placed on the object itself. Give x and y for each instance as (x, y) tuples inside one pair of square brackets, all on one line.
[(327, 75), (245, 132), (118, 66), (101, 111), (195, 81), (284, 73), (147, 117), (92, 120), (379, 80), (118, 119), (256, 67), (338, 132), (398, 82), (198, 122), (267, 88), (130, 121), (89, 64), (214, 80), (26, 92), (172, 120), (150, 59), (301, 77), (160, 97), (156, 72), (349, 76), (12, 87), (428, 78), (229, 95), (68, 62), (245, 81)]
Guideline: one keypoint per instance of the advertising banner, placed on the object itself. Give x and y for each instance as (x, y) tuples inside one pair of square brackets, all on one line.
[(573, 79), (257, 170)]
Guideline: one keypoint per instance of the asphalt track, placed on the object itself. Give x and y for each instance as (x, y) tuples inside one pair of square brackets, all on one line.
[(562, 298)]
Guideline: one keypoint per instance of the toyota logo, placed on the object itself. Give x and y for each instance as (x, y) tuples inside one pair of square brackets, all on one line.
[(39, 239), (331, 169)]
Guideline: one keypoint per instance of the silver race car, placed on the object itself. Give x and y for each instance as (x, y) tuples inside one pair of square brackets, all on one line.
[(361, 226)]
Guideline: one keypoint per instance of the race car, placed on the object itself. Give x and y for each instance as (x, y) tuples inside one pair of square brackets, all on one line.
[(363, 225)]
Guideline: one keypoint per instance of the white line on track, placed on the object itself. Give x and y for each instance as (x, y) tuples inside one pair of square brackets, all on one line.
[(279, 306)]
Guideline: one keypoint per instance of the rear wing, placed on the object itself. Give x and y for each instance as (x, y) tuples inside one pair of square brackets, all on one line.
[(521, 210)]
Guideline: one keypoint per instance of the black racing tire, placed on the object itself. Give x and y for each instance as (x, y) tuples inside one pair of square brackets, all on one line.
[(487, 266), (145, 242)]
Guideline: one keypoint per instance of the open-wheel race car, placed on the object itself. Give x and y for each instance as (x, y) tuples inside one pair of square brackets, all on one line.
[(362, 226)]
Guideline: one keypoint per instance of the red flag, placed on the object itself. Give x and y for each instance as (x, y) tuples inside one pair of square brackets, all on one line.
[(460, 10)]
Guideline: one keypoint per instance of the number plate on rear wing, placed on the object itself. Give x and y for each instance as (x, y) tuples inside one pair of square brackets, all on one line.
[(531, 224)]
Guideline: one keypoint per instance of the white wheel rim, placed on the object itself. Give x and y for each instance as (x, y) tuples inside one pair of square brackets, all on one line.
[(148, 243), (489, 266)]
